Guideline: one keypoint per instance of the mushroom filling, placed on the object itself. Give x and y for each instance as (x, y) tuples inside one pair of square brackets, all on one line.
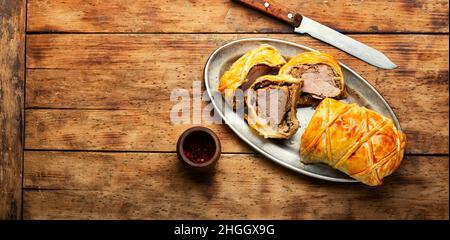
[(319, 80)]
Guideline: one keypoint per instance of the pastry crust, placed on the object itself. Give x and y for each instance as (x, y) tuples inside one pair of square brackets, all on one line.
[(232, 79), (357, 141), (288, 125)]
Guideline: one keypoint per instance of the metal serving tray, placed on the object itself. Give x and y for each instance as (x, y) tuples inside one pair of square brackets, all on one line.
[(286, 152)]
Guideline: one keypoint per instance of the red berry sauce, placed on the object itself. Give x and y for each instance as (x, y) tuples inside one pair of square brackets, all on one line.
[(199, 147)]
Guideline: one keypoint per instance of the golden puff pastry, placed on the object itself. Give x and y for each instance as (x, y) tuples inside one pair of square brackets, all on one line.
[(321, 73), (243, 72), (272, 109), (355, 140)]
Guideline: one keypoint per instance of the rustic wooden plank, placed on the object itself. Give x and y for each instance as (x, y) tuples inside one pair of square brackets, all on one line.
[(167, 51), (12, 71), (127, 72), (125, 130), (66, 185), (182, 16)]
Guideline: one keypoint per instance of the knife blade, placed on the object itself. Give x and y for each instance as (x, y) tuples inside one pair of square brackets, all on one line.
[(305, 25)]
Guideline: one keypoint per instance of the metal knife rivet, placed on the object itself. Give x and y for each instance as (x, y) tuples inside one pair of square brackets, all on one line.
[(289, 15), (266, 4)]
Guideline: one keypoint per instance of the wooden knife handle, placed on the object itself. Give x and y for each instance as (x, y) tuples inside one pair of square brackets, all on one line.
[(274, 9)]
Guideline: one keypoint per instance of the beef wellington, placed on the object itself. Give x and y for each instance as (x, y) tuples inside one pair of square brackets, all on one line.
[(243, 72), (321, 74), (271, 106)]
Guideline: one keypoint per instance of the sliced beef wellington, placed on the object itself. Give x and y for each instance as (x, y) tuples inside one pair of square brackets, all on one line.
[(272, 106), (321, 74), (243, 72)]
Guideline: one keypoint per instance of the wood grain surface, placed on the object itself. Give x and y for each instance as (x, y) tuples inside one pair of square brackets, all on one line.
[(87, 185), (136, 73), (225, 16), (98, 139), (12, 73), (119, 130)]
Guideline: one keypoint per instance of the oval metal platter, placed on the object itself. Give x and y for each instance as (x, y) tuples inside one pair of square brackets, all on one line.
[(286, 152)]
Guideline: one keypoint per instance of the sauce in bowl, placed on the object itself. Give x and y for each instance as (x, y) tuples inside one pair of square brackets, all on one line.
[(198, 147)]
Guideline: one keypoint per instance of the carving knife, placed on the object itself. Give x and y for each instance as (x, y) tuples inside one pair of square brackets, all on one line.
[(303, 24)]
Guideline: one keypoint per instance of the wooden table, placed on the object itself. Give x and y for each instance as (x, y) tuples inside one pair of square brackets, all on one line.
[(85, 101)]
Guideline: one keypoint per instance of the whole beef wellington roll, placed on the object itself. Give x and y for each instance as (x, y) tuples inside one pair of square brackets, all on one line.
[(321, 74), (243, 72), (271, 106), (355, 140)]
